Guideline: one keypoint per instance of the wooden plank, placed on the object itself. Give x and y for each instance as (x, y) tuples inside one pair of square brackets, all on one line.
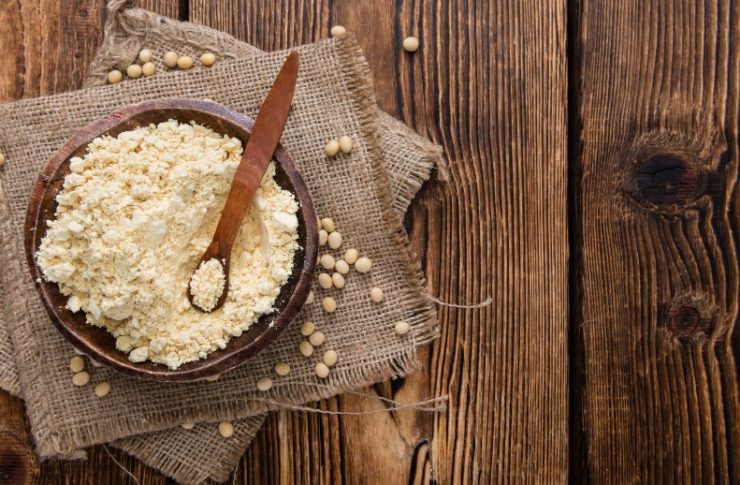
[(51, 44), (656, 205), (489, 83)]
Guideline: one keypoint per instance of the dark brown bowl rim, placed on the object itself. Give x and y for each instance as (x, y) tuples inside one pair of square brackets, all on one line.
[(219, 361)]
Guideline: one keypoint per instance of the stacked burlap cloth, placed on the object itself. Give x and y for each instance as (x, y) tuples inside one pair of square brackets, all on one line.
[(366, 192)]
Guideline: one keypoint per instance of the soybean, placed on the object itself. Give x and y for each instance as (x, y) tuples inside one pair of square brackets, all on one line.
[(327, 261), (226, 429), (341, 266), (327, 223), (363, 264), (185, 62), (306, 348), (376, 294), (325, 281), (282, 368), (330, 358), (145, 55), (351, 255), (148, 69), (322, 370), (76, 364), (338, 31), (170, 59), (264, 384), (345, 144), (317, 339), (335, 240), (411, 44), (81, 378), (402, 327), (332, 148), (308, 328), (115, 76), (208, 59), (337, 280), (134, 71), (102, 389), (329, 304)]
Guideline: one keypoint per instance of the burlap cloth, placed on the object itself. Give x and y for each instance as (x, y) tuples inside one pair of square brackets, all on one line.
[(197, 454)]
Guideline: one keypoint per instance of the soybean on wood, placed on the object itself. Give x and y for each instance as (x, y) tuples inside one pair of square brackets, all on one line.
[(656, 232)]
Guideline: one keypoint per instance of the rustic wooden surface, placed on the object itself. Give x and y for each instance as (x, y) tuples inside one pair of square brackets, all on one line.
[(648, 389), (655, 236)]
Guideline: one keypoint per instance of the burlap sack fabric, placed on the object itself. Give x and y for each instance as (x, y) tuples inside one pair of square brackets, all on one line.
[(402, 189)]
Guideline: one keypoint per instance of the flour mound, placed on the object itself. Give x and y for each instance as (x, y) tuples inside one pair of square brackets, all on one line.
[(133, 219)]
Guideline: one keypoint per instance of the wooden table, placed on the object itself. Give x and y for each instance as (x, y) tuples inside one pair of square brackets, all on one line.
[(593, 148)]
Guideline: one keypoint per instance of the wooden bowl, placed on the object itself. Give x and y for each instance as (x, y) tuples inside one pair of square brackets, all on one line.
[(96, 342)]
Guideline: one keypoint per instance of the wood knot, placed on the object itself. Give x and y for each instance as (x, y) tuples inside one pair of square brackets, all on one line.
[(689, 315), (85, 17), (667, 171), (666, 178), (683, 321)]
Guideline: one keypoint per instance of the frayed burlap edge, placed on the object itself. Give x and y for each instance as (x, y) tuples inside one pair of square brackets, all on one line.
[(361, 84), (8, 377), (121, 51), (431, 158), (142, 447)]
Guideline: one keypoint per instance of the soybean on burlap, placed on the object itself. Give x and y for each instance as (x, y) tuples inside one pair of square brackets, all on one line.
[(37, 127)]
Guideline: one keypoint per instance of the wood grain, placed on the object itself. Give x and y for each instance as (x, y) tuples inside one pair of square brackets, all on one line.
[(504, 367), (655, 229)]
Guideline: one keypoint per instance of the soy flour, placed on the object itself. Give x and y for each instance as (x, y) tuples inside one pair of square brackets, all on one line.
[(135, 215)]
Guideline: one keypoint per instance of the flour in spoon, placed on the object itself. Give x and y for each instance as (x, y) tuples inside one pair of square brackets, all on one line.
[(207, 284), (135, 215)]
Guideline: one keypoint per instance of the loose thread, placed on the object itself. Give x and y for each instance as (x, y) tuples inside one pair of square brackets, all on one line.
[(418, 406), (233, 477), (438, 404), (133, 477), (474, 306)]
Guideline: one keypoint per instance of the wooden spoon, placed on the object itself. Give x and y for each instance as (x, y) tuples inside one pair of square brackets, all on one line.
[(256, 157)]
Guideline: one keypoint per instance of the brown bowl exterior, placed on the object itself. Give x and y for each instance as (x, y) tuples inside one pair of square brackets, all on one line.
[(96, 342)]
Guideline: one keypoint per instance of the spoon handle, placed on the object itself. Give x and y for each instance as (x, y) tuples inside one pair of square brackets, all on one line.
[(265, 135), (268, 127)]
